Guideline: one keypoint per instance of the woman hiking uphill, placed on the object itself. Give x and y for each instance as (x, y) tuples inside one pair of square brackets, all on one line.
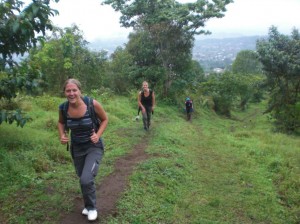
[(146, 102), (79, 114)]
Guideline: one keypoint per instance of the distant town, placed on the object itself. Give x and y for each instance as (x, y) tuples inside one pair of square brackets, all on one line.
[(218, 54), (215, 54)]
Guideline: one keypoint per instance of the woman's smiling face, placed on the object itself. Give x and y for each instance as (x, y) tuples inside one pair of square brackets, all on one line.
[(145, 85), (72, 92)]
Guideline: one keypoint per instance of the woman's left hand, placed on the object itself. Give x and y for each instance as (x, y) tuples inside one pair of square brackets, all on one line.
[(94, 137)]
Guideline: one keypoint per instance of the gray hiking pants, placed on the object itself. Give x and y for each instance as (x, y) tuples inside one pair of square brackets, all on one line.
[(147, 117), (87, 166)]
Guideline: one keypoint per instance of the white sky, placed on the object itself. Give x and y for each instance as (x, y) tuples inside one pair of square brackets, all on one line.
[(243, 17)]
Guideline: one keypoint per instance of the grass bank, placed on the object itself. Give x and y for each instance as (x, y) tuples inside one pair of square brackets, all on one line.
[(210, 170)]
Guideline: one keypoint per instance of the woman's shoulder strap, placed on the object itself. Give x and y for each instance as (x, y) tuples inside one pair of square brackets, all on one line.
[(91, 109), (64, 107), (89, 104)]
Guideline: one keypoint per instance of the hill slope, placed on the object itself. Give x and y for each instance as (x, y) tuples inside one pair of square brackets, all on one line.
[(210, 170)]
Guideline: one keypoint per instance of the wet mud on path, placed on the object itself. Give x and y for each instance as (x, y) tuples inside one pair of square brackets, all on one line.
[(110, 188)]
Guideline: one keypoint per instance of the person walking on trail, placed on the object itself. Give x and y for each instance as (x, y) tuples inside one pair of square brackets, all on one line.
[(146, 102), (87, 120), (189, 108)]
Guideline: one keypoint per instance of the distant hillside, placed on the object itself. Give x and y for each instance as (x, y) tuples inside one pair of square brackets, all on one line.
[(108, 45), (211, 53), (221, 52)]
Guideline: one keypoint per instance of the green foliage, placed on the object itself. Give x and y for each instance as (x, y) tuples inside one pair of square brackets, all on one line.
[(229, 91), (287, 117), (250, 88), (144, 56), (279, 55), (166, 31), (105, 95), (65, 54), (223, 89), (247, 63), (20, 30), (188, 84), (190, 16), (47, 102), (13, 111), (248, 69), (174, 46), (24, 78), (121, 74), (143, 50), (11, 116)]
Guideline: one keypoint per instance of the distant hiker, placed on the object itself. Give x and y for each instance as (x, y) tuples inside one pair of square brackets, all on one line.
[(87, 121), (189, 108), (146, 103)]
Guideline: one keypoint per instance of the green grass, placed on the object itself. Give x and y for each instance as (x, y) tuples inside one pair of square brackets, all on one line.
[(210, 170)]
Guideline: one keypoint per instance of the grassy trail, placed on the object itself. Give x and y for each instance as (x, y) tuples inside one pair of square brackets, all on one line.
[(211, 170), (207, 172)]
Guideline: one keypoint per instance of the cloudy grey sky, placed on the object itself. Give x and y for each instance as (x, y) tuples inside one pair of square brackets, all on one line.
[(243, 17)]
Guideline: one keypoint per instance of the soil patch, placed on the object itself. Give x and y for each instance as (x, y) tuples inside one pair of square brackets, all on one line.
[(111, 187)]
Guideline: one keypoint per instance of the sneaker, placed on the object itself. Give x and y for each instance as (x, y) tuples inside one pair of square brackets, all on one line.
[(85, 211), (92, 215)]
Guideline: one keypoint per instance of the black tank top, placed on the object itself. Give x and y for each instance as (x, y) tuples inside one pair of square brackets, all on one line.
[(146, 101)]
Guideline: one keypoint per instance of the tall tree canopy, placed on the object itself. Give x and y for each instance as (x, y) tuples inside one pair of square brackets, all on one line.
[(170, 27), (280, 57), (190, 16)]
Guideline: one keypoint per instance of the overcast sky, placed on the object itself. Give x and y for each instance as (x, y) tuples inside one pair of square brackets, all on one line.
[(243, 17)]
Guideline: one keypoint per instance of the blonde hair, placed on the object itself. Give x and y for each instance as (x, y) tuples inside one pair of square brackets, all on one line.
[(73, 81)]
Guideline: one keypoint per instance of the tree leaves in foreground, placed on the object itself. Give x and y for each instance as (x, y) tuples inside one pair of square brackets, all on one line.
[(20, 30)]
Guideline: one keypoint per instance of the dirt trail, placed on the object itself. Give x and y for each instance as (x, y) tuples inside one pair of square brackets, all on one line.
[(111, 187)]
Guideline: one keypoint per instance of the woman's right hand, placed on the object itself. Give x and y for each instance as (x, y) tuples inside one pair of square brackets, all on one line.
[(64, 139), (143, 110)]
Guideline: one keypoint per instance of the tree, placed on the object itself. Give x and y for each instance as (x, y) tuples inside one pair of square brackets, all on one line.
[(248, 69), (229, 90), (171, 27), (19, 31), (224, 89), (247, 62), (144, 56), (279, 55), (65, 54), (121, 71), (19, 28), (249, 87), (188, 84)]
